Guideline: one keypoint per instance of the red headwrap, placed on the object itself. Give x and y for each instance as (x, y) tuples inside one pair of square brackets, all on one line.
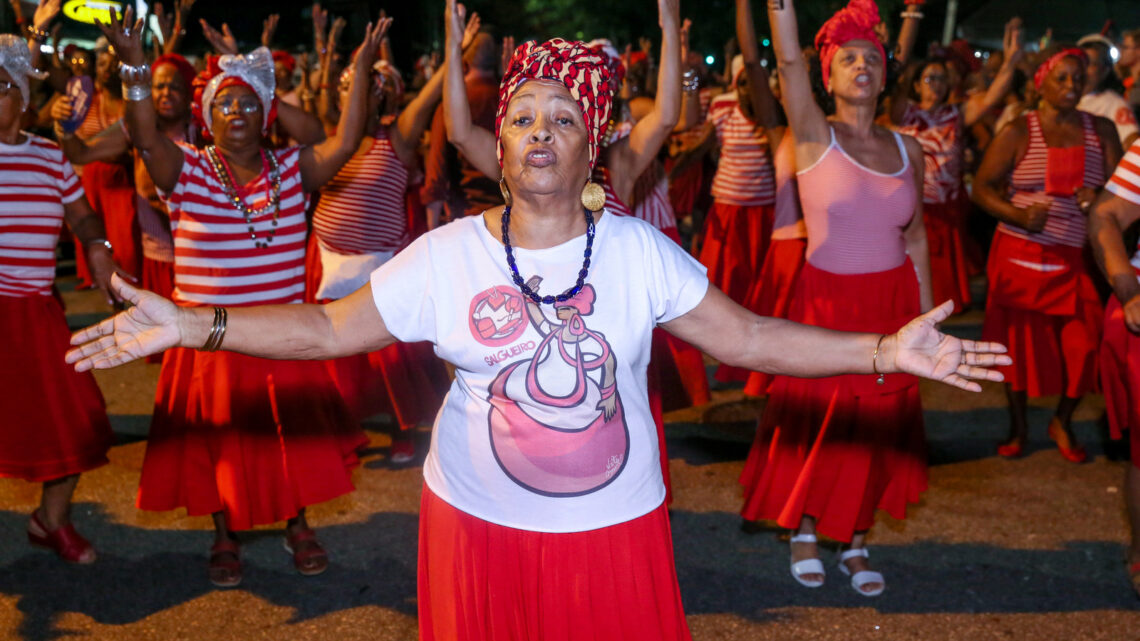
[(1048, 65), (284, 58), (180, 64), (855, 22), (584, 71)]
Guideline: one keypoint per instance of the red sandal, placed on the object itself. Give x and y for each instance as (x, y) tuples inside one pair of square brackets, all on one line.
[(1070, 452), (309, 557), (1134, 576), (66, 542), (224, 568)]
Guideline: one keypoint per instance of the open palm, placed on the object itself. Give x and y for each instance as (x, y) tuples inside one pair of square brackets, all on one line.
[(148, 327), (924, 351)]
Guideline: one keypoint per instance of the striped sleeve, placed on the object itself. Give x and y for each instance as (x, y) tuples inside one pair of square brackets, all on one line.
[(1125, 181), (70, 188)]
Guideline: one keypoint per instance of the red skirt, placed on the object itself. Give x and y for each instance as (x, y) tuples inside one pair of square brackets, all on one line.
[(685, 187), (736, 239), (478, 580), (111, 192), (949, 266), (1120, 377), (54, 419), (771, 296), (255, 438), (1049, 320), (839, 448), (406, 380), (158, 277)]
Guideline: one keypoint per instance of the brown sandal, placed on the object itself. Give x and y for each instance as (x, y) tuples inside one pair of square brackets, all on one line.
[(225, 564), (309, 557)]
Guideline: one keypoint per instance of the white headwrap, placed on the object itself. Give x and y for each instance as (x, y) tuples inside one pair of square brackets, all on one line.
[(16, 59), (255, 69)]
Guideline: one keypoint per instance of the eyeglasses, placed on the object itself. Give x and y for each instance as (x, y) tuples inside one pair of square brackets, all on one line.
[(232, 106)]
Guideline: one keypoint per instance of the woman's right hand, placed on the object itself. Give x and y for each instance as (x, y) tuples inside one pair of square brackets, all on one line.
[(127, 40), (455, 15), (62, 109), (1034, 216), (150, 326)]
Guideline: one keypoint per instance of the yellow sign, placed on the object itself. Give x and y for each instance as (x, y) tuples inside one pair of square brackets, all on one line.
[(88, 11)]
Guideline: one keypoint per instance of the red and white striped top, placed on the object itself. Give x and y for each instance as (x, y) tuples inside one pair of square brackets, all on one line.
[(361, 210), (940, 134), (744, 173), (96, 121), (36, 181), (215, 260), (1065, 224), (651, 198), (614, 205), (1125, 183)]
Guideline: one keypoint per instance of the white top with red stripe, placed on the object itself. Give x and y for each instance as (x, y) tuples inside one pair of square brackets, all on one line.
[(361, 210), (940, 134), (744, 173), (36, 181), (1065, 224), (1125, 183), (651, 195), (215, 260)]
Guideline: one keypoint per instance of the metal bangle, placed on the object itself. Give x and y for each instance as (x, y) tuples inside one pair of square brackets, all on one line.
[(918, 15), (217, 331), (134, 74), (137, 93)]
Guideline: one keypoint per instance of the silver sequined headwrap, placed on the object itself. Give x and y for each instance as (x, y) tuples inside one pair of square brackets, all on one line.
[(16, 59), (255, 69)]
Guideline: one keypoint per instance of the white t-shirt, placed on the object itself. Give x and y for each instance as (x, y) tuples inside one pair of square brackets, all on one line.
[(547, 424), (1109, 104)]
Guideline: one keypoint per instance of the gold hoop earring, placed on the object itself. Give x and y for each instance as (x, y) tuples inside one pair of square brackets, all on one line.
[(593, 196), (505, 191)]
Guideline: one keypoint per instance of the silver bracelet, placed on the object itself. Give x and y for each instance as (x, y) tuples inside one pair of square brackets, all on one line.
[(137, 93), (134, 74), (910, 13)]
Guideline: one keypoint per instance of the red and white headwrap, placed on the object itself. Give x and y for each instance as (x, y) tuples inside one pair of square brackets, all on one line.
[(856, 21), (583, 70), (253, 70), (1047, 66), (617, 67)]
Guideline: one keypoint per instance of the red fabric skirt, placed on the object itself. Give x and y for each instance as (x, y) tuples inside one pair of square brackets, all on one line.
[(838, 448), (479, 580), (158, 277), (1050, 321), (406, 380), (685, 187), (1120, 377), (735, 241), (676, 379), (771, 296), (111, 192), (255, 438), (949, 266), (54, 422)]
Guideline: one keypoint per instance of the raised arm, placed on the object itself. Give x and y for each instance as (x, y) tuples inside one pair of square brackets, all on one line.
[(417, 115), (976, 107), (767, 109), (320, 162), (807, 121), (908, 34), (630, 157), (475, 143), (162, 157)]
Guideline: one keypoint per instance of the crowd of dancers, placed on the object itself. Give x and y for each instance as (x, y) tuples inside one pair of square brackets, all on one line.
[(841, 186)]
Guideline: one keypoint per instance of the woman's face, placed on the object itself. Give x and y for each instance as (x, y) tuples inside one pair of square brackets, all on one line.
[(169, 91), (933, 85), (545, 148), (1064, 84), (1098, 68), (105, 63), (237, 116), (857, 71), (11, 103)]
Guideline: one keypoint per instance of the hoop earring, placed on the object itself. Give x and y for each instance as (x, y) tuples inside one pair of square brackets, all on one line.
[(505, 191), (593, 196)]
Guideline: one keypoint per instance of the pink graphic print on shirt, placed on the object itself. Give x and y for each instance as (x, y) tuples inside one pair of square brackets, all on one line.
[(557, 426)]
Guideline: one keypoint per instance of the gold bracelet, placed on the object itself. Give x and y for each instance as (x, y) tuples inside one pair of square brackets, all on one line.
[(875, 361)]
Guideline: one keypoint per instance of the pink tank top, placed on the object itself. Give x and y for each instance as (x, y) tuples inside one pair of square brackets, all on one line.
[(855, 215)]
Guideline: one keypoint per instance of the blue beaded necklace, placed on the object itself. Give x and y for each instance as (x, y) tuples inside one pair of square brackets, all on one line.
[(582, 273)]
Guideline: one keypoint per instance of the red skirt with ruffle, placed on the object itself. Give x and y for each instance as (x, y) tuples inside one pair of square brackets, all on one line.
[(1120, 377), (1049, 320), (482, 581), (771, 296), (158, 277), (256, 438), (54, 420), (949, 265), (839, 448), (735, 241), (110, 190), (406, 380)]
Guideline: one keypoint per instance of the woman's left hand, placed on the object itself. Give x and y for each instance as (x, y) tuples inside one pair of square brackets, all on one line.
[(922, 350), (366, 55)]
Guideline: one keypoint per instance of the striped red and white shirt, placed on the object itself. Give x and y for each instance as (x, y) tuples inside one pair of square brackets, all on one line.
[(362, 210), (940, 134), (1125, 183), (36, 181), (215, 260), (744, 173), (651, 198), (1065, 224)]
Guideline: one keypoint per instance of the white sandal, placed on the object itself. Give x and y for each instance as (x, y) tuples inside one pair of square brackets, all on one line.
[(863, 577), (807, 566)]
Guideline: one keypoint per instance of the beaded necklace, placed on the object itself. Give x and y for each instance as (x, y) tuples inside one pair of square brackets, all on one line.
[(582, 273), (273, 197)]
